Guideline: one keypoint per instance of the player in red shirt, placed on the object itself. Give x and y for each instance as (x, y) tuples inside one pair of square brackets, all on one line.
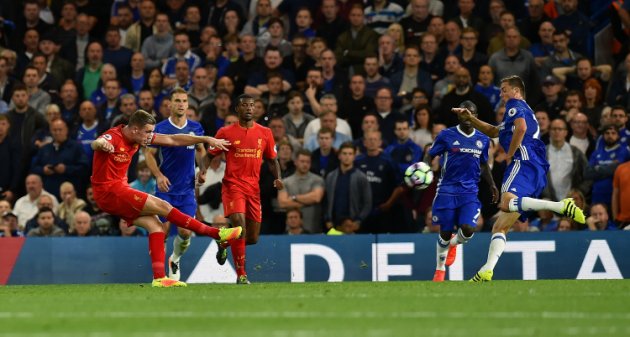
[(250, 143), (113, 151)]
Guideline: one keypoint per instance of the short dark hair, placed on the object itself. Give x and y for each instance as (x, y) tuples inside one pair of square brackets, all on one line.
[(300, 152), (177, 90), (348, 145), (468, 104), (141, 118), (19, 87), (44, 210), (243, 97), (515, 81)]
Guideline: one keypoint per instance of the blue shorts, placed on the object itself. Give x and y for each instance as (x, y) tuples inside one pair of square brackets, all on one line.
[(454, 210), (525, 178), (186, 203)]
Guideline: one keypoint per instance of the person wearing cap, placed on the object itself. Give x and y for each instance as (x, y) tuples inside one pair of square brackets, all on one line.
[(603, 163), (553, 98), (9, 225), (59, 68)]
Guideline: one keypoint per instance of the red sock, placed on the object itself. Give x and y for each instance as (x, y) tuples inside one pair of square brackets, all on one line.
[(238, 254), (156, 251), (182, 220)]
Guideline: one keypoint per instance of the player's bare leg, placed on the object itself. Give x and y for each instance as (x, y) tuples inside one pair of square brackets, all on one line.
[(157, 206), (156, 250)]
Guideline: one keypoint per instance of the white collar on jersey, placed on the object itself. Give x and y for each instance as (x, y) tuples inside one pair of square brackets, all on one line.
[(173, 124), (464, 134)]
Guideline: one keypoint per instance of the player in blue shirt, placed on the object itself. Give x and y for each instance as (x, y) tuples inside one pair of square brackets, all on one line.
[(176, 172), (463, 155), (526, 174)]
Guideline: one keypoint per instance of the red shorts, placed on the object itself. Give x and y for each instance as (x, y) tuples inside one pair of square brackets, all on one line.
[(120, 200), (239, 202)]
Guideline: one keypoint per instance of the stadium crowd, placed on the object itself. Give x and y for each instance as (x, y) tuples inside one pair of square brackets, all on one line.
[(353, 91)]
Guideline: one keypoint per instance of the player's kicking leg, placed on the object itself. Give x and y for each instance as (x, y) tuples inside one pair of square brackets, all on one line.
[(157, 206), (156, 251), (446, 249)]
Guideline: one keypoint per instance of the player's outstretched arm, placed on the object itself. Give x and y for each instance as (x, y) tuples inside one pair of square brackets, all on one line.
[(488, 129), (101, 144), (186, 140)]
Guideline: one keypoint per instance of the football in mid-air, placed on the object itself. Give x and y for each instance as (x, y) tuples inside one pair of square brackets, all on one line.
[(418, 175)]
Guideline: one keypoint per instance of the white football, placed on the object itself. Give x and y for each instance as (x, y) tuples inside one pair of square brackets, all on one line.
[(418, 176)]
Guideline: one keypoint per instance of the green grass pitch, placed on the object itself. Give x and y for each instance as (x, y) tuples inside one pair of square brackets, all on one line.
[(500, 308)]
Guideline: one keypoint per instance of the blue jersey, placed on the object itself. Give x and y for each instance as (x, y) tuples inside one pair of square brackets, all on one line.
[(532, 148), (177, 163), (86, 136), (461, 158), (602, 188)]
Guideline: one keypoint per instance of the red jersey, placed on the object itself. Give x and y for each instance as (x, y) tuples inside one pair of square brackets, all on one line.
[(111, 168), (245, 155)]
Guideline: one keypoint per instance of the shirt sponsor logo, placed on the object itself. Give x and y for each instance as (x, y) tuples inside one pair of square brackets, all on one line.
[(247, 153), (122, 157)]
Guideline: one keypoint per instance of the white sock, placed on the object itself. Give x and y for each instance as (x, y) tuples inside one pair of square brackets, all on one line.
[(531, 204), (459, 238), (497, 245), (180, 246), (441, 250)]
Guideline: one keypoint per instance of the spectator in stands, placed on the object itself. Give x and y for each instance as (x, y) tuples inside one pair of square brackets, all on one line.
[(256, 83), (213, 117), (530, 25), (58, 68), (200, 95), (327, 103), (123, 20), (417, 23), (104, 223), (296, 119), (413, 75), (380, 14), (422, 125), (88, 77), (9, 224), (332, 23), (6, 82), (562, 56), (621, 193), (247, 63), (463, 91), (115, 53), (26, 206), (66, 31), (545, 221), (31, 21), (492, 28), (145, 182), (108, 107), (553, 97), (29, 47), (258, 24), (324, 159), (45, 201), (567, 164), (60, 161), (335, 78), (580, 135), (387, 115), (468, 56), (70, 204), (486, 86), (373, 79), (444, 84), (619, 117), (565, 225), (576, 76), (37, 99), (46, 225), (356, 105), (127, 107), (573, 103), (603, 163), (278, 130), (88, 128), (543, 49), (355, 44), (298, 62), (47, 83), (369, 123), (273, 37), (182, 52), (576, 22), (593, 100), (618, 92), (274, 99), (599, 219), (69, 102), (158, 47), (43, 136), (143, 28), (82, 225), (328, 119), (304, 191), (389, 61), (513, 60), (403, 151), (303, 24), (506, 20), (294, 222), (82, 40), (25, 121), (431, 60), (10, 170), (452, 38)]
